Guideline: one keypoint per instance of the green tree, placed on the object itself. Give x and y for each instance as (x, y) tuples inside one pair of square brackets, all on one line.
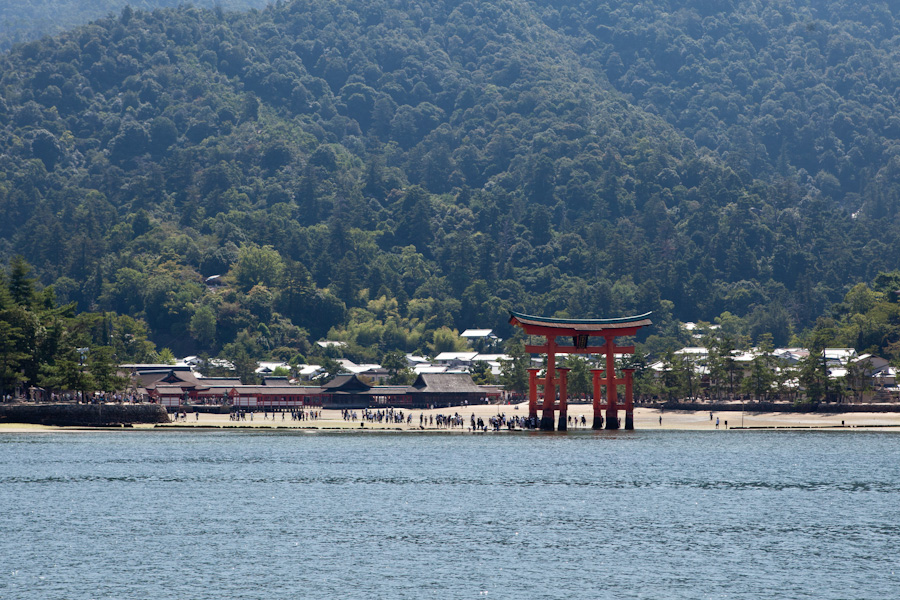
[(669, 378), (66, 374), (762, 372), (723, 366), (514, 371), (447, 340), (102, 366), (813, 375), (11, 358), (481, 373), (399, 372), (644, 377), (330, 369), (257, 265), (166, 357), (685, 379), (21, 286), (579, 382), (203, 326), (859, 377), (244, 364)]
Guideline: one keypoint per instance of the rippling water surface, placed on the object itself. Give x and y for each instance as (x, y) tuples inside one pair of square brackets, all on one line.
[(661, 515)]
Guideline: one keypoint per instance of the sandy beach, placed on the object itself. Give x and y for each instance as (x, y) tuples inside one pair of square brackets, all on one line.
[(644, 419)]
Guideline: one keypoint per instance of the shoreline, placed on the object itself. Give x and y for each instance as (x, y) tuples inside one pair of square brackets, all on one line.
[(645, 419)]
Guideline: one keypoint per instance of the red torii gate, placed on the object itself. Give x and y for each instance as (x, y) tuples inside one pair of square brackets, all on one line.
[(580, 331)]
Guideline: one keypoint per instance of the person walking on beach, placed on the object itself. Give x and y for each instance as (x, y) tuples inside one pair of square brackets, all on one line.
[(660, 420), (717, 422)]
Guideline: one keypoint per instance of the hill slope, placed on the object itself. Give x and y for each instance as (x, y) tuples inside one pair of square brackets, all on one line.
[(388, 168), (32, 19)]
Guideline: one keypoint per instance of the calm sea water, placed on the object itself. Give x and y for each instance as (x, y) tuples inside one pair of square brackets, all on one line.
[(661, 515)]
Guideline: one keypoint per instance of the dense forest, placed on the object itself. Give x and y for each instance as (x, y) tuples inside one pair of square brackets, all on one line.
[(32, 19), (379, 171)]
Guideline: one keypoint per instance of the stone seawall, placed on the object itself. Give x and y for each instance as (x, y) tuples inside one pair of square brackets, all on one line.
[(96, 415), (768, 407)]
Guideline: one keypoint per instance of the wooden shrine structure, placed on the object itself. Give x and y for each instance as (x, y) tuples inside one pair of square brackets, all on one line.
[(579, 331)]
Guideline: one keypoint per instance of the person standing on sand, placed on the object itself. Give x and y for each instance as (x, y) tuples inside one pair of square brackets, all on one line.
[(717, 422), (660, 420)]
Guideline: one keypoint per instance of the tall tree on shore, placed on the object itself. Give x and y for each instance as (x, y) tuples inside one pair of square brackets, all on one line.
[(514, 371), (762, 370), (102, 365), (398, 370), (579, 378)]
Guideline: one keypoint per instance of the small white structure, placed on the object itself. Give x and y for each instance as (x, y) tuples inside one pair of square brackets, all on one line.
[(481, 339), (791, 356), (307, 372), (428, 368), (477, 333), (267, 367), (697, 331), (839, 356), (696, 354), (455, 359), (331, 344), (412, 361), (493, 360)]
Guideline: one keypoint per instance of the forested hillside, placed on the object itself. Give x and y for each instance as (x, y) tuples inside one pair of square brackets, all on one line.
[(31, 19), (376, 171)]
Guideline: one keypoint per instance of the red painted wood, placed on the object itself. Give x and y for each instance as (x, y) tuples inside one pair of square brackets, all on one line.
[(532, 393)]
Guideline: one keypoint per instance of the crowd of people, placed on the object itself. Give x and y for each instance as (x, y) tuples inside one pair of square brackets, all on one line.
[(394, 416), (388, 415), (296, 415)]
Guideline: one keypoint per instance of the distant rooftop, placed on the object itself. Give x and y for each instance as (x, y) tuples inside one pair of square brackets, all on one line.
[(491, 357), (476, 333), (450, 356), (269, 367), (429, 369), (331, 343), (698, 350)]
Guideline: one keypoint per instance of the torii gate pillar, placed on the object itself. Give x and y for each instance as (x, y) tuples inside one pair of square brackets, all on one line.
[(598, 406), (629, 398), (563, 424), (532, 395)]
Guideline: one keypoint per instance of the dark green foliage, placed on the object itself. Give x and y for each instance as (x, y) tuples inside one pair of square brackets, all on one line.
[(397, 368), (514, 372), (565, 158), (22, 21), (40, 341)]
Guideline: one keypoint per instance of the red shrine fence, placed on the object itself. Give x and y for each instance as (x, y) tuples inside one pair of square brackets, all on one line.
[(580, 331)]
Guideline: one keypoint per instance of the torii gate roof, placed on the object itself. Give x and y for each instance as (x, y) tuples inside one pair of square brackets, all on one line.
[(578, 326)]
